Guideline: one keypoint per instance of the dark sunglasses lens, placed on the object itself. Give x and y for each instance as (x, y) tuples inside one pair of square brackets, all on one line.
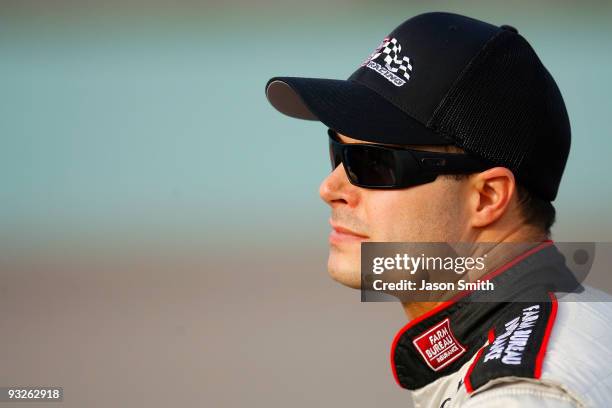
[(372, 166), (335, 154)]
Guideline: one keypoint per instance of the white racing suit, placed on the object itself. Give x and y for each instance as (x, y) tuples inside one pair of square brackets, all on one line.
[(551, 348)]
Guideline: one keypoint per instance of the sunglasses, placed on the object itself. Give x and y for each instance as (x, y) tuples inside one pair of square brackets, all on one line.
[(382, 167)]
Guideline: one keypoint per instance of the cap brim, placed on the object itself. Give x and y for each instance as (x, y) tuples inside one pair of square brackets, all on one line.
[(350, 108)]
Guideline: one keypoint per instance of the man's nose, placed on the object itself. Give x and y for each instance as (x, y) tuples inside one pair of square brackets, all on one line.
[(336, 189)]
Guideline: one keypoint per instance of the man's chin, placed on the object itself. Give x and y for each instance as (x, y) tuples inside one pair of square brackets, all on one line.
[(347, 275)]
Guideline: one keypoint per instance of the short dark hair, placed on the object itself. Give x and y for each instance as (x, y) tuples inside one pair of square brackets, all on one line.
[(536, 211)]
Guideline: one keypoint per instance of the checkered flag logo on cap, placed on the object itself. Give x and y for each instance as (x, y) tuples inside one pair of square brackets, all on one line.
[(391, 50)]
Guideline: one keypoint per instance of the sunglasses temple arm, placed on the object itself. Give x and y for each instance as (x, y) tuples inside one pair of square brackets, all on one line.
[(451, 163)]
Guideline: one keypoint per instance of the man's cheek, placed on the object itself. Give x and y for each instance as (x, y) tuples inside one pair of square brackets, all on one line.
[(391, 232)]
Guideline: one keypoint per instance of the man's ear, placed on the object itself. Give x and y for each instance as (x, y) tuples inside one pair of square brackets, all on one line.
[(490, 194)]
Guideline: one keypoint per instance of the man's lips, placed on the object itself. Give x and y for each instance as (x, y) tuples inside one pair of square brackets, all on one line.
[(340, 234)]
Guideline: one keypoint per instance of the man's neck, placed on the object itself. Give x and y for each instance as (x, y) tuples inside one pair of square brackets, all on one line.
[(499, 255)]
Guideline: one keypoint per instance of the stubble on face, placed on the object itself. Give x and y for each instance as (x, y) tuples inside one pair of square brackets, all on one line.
[(430, 212)]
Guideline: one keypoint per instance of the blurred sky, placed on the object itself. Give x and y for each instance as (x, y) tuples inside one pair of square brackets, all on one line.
[(142, 122)]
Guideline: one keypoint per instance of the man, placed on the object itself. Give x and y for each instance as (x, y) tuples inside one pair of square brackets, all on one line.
[(452, 130)]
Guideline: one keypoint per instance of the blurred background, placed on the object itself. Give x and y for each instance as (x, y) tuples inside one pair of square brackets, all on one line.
[(162, 242)]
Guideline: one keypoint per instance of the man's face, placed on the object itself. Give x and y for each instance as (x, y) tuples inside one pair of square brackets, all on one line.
[(431, 212)]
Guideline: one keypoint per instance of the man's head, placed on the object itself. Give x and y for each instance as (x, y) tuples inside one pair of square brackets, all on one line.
[(478, 207), (447, 83)]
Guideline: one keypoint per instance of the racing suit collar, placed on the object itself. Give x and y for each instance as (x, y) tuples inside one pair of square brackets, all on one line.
[(442, 340)]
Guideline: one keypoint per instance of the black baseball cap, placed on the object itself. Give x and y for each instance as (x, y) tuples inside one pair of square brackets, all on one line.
[(446, 79)]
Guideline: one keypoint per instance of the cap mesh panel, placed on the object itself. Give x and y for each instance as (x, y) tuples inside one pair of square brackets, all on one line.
[(493, 108)]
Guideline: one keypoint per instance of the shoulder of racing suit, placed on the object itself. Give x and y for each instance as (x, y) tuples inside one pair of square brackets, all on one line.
[(530, 352)]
